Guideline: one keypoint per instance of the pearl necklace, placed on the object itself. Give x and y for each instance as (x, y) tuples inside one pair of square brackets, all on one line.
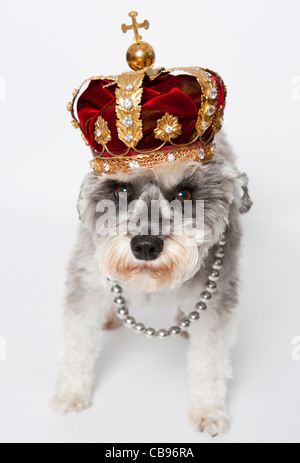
[(185, 322)]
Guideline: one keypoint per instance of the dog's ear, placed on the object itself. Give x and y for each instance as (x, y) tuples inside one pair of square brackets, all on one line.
[(245, 202), (235, 190), (85, 198)]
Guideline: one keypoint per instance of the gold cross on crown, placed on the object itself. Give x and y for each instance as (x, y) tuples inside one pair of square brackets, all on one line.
[(135, 26)]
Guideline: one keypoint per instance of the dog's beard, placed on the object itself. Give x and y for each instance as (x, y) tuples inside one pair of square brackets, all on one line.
[(179, 262)]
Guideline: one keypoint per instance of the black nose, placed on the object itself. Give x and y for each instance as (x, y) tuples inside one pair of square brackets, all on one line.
[(147, 247)]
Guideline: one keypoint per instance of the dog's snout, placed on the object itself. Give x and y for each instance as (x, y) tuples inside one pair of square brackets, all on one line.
[(147, 247)]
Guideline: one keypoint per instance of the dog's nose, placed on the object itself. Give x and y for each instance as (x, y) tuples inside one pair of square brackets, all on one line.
[(147, 247)]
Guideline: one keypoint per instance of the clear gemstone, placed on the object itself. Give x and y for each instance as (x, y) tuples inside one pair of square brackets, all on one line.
[(211, 110), (171, 157), (129, 87), (128, 121), (201, 154), (134, 165), (98, 133), (106, 167), (128, 103), (169, 129), (209, 77), (128, 137), (205, 126), (213, 93)]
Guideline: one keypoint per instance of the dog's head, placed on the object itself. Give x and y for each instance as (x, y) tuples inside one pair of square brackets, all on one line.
[(154, 228)]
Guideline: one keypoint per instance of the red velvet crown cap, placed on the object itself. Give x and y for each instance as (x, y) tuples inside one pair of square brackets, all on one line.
[(178, 95)]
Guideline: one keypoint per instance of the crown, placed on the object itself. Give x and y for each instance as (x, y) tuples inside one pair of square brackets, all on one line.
[(147, 117)]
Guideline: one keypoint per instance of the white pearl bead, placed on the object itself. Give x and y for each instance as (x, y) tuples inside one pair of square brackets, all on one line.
[(205, 296), (119, 301), (200, 307), (184, 324), (116, 289), (217, 264), (150, 333), (122, 313), (211, 287), (174, 331), (214, 275), (194, 316), (220, 253), (162, 334), (139, 328), (129, 322)]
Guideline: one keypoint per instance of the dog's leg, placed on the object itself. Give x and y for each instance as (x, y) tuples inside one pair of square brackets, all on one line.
[(84, 316), (209, 365)]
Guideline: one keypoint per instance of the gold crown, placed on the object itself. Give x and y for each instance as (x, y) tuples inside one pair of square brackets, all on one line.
[(146, 117)]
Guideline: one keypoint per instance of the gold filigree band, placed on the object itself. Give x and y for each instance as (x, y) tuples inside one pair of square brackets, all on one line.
[(202, 154)]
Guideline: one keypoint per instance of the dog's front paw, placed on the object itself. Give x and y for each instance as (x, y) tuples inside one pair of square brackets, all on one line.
[(214, 422), (63, 402)]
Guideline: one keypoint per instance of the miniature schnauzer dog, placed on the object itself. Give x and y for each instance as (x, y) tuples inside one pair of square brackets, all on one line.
[(166, 267)]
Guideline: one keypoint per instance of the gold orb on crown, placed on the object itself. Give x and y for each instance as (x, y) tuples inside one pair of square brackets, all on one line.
[(140, 55)]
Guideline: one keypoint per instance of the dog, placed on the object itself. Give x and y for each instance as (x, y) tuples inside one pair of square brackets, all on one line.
[(170, 268)]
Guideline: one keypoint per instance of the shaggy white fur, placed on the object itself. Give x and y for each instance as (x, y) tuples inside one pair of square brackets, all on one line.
[(176, 278)]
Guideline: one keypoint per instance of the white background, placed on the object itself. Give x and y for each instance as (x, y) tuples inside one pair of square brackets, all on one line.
[(47, 49)]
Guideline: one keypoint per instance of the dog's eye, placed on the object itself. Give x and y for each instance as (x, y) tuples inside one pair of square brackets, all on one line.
[(184, 195), (122, 192)]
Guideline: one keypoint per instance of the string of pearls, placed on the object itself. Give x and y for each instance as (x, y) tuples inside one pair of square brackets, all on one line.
[(185, 322)]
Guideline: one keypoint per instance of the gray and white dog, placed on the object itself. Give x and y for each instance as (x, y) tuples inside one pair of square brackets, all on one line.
[(165, 269)]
